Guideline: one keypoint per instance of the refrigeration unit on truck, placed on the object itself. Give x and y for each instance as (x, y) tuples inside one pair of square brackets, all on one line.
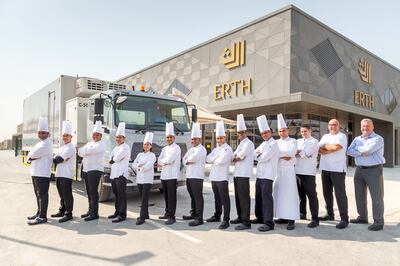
[(85, 100)]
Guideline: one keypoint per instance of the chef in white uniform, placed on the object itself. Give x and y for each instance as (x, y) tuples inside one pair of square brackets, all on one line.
[(144, 168), (170, 162), (267, 156), (243, 158), (220, 158), (65, 171), (195, 162), (93, 154), (119, 161), (41, 159), (306, 169), (286, 197)]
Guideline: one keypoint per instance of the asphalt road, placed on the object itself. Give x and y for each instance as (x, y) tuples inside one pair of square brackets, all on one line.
[(103, 243)]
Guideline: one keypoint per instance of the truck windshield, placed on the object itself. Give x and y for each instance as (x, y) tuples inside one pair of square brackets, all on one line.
[(146, 113)]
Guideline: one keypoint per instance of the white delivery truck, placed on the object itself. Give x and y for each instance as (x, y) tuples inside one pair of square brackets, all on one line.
[(83, 101)]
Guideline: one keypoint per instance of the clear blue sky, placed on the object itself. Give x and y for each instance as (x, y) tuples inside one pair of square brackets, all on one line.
[(39, 40)]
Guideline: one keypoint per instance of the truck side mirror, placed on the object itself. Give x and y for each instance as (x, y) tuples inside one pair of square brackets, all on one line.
[(194, 115), (98, 106)]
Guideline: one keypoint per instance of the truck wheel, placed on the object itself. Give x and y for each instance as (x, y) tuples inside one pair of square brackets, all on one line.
[(104, 191)]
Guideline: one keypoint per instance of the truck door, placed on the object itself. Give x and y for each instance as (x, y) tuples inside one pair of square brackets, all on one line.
[(51, 114)]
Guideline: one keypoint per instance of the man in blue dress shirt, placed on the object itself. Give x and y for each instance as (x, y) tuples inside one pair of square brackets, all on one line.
[(367, 150)]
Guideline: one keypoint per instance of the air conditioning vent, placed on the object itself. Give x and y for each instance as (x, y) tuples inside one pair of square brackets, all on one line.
[(116, 86)]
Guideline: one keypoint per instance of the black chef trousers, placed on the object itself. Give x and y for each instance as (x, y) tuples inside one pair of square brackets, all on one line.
[(119, 189), (86, 180), (169, 188), (41, 186), (64, 188), (195, 189), (306, 184), (144, 190), (221, 196), (336, 181), (93, 184), (242, 198), (264, 207)]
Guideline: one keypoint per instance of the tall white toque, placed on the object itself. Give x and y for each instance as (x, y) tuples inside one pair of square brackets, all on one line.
[(98, 127), (220, 129), (281, 122), (148, 138), (169, 129), (262, 123), (43, 125), (121, 129), (196, 132), (240, 124), (67, 128)]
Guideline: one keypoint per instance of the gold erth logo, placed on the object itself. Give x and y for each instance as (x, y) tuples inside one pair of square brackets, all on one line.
[(364, 68), (234, 56)]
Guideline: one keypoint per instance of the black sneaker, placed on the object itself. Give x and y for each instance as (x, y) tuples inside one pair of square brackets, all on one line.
[(291, 225), (163, 217), (213, 219), (326, 218), (140, 221), (281, 221), (65, 218), (223, 225), (118, 219), (112, 216), (188, 217), (57, 215), (33, 217), (87, 214), (342, 224), (91, 217), (265, 228), (313, 224), (242, 226), (170, 221), (375, 227), (196, 222), (236, 221), (37, 220), (255, 221), (359, 220)]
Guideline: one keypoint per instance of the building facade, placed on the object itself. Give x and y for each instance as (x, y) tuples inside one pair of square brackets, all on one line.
[(286, 62)]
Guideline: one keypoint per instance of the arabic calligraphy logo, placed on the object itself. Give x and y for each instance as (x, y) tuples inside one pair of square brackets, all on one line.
[(364, 69), (234, 56)]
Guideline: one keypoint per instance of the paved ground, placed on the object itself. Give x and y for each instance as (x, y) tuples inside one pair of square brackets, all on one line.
[(103, 243)]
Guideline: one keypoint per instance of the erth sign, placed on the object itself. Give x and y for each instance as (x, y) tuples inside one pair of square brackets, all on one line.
[(364, 99), (364, 68), (234, 88), (235, 56)]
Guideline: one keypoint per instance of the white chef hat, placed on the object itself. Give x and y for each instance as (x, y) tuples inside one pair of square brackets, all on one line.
[(240, 124), (67, 128), (196, 132), (281, 122), (148, 137), (169, 129), (262, 123), (220, 129), (121, 129), (98, 127), (43, 125)]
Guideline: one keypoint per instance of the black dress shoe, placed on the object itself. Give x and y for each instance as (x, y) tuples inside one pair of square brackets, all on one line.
[(281, 221), (118, 219), (37, 220), (359, 220), (140, 221), (91, 217), (163, 217), (196, 222), (342, 224), (236, 221), (326, 218), (313, 224), (170, 221), (87, 214), (242, 226), (112, 216), (33, 217), (256, 221), (303, 216), (65, 218), (224, 225), (187, 217), (265, 228), (375, 227), (213, 219), (57, 215), (291, 225)]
